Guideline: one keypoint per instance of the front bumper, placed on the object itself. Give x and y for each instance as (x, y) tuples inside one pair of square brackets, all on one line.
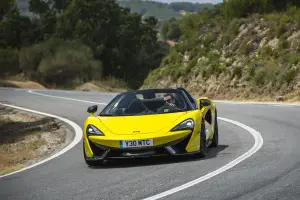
[(175, 148)]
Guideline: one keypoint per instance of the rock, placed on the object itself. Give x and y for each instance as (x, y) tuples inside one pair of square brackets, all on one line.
[(294, 36), (274, 43), (263, 42), (279, 98)]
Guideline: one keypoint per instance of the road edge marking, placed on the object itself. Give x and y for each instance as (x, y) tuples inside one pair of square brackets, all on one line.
[(256, 103), (66, 98), (257, 145), (217, 101), (76, 140)]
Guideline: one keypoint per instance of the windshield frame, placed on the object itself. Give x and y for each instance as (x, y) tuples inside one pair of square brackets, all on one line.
[(189, 105)]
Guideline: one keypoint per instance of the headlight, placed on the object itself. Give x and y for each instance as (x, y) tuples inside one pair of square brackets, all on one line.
[(92, 130), (185, 125)]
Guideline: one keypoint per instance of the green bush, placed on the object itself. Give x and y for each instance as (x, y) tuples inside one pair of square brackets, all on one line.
[(246, 49), (190, 66), (9, 62), (291, 74), (237, 72), (283, 44), (60, 62), (294, 59), (282, 25), (259, 77), (174, 57)]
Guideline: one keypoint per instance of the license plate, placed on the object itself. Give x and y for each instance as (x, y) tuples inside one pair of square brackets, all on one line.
[(136, 143)]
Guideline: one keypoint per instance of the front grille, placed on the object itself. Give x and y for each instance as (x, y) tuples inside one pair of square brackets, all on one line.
[(137, 152), (182, 145), (96, 150)]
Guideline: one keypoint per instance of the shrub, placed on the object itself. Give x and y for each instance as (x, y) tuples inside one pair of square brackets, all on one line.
[(9, 62), (174, 57), (282, 25), (291, 74), (294, 59), (259, 77), (246, 49), (237, 72), (190, 66), (60, 62), (283, 44)]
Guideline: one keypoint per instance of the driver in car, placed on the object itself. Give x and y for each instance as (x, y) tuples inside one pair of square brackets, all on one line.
[(169, 104)]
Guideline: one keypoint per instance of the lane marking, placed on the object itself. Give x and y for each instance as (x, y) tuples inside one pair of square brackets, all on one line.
[(59, 97), (279, 105), (257, 145), (257, 103), (76, 140)]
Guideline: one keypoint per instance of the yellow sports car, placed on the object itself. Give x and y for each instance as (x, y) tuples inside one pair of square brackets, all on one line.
[(152, 122)]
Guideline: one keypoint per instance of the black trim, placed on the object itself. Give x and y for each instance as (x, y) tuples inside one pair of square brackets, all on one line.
[(179, 145), (97, 150), (185, 94), (191, 99)]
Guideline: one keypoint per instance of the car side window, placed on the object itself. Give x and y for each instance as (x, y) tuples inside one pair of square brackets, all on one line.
[(192, 100)]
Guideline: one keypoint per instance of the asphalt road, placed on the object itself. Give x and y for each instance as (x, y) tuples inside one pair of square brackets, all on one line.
[(271, 173)]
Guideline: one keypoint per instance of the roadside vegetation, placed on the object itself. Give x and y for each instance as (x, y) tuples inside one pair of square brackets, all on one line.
[(238, 50), (26, 139), (66, 43)]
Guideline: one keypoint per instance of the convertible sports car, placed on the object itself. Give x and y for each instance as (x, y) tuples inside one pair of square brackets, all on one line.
[(152, 122)]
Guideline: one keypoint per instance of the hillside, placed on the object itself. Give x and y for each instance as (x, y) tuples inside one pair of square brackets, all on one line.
[(161, 10), (256, 57)]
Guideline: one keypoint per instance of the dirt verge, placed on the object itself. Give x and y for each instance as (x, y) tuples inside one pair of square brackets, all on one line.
[(27, 138), (99, 87), (21, 84)]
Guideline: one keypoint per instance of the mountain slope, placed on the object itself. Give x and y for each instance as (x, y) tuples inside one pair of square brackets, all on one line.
[(161, 10), (247, 58)]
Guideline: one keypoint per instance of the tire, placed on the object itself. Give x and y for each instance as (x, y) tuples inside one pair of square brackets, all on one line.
[(92, 163), (215, 140), (203, 142)]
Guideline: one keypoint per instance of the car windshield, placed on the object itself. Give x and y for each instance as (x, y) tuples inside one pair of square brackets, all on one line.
[(146, 102)]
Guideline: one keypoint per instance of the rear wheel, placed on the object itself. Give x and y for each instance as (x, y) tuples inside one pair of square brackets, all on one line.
[(203, 143), (91, 163), (215, 140)]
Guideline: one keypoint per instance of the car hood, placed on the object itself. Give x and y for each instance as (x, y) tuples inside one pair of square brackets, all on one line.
[(128, 125)]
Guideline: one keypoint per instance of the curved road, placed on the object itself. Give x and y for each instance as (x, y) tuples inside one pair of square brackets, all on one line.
[(271, 173)]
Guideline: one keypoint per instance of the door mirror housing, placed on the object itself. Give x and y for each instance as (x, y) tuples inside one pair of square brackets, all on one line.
[(92, 109), (203, 102)]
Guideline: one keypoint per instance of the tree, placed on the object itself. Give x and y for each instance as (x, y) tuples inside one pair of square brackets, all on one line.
[(118, 38), (38, 6), (5, 6)]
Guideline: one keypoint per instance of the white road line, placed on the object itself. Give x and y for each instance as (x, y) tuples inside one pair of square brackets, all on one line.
[(257, 145), (279, 105), (77, 138), (257, 103), (65, 98)]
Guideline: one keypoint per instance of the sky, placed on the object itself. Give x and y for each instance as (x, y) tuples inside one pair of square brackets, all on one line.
[(194, 1)]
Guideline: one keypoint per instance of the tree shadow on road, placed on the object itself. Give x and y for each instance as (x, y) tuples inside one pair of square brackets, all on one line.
[(134, 162)]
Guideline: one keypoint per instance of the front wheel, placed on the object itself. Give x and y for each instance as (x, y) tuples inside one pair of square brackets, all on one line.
[(215, 140)]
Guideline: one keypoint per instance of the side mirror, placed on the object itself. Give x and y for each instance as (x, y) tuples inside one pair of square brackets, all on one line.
[(92, 109), (203, 102)]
